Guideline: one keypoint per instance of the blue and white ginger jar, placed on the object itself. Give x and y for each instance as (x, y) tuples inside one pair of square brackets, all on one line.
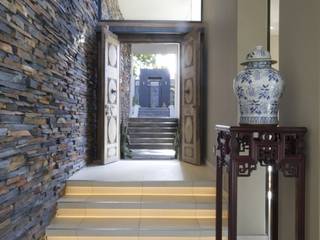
[(258, 88)]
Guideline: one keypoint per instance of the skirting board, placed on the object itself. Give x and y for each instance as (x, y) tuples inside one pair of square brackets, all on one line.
[(256, 237)]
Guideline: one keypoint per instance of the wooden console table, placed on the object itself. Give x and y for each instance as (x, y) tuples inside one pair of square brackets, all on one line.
[(239, 151)]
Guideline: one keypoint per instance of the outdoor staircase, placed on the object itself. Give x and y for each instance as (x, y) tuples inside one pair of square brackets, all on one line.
[(154, 112), (135, 211), (149, 136)]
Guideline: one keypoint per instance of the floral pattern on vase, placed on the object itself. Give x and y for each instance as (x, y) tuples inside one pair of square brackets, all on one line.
[(258, 88)]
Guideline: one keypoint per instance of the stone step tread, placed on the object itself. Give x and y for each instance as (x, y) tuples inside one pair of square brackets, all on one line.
[(157, 124), (152, 188), (138, 202), (150, 138), (152, 127), (153, 144), (133, 140), (127, 184), (152, 157), (149, 135), (154, 111), (151, 147), (153, 134), (131, 227), (151, 130), (148, 119)]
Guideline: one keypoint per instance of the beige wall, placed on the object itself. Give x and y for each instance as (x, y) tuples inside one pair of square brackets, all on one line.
[(318, 20), (299, 65), (230, 33), (220, 17), (252, 26), (252, 31)]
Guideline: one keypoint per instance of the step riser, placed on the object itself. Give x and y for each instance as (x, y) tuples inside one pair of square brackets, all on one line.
[(151, 140), (136, 213), (151, 130), (132, 120), (152, 124), (152, 135), (131, 238), (151, 147), (140, 191)]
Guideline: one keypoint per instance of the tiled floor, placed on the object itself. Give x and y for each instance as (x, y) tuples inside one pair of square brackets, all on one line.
[(146, 171)]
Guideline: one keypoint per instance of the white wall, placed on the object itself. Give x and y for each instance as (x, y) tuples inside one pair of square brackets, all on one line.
[(187, 10)]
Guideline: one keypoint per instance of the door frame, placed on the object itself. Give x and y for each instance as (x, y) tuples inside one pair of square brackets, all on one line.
[(153, 32)]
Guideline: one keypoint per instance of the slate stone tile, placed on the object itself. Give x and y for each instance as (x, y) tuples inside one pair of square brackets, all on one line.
[(3, 131), (45, 92)]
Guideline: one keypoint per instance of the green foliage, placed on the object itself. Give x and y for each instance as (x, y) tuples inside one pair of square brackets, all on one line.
[(143, 61), (135, 101), (124, 145), (177, 142)]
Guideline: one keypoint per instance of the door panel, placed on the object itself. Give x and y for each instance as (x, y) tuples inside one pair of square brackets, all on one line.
[(190, 98), (108, 119)]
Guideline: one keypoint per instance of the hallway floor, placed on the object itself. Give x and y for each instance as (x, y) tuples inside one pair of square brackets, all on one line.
[(145, 171)]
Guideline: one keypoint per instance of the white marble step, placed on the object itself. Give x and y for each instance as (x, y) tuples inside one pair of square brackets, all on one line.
[(157, 188), (76, 228), (137, 206)]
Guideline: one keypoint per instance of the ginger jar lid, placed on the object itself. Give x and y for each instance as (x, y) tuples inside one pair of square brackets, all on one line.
[(258, 54)]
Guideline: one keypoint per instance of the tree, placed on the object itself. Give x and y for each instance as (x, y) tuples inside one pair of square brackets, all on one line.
[(143, 61)]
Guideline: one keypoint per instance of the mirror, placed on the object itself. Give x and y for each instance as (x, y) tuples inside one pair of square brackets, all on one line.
[(157, 10)]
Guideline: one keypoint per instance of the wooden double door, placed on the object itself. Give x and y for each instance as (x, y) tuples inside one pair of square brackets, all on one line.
[(191, 125)]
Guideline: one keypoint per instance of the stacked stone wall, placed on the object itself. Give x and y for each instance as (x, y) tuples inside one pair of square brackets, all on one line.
[(47, 107)]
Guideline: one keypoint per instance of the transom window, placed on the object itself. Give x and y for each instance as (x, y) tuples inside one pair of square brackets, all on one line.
[(153, 10)]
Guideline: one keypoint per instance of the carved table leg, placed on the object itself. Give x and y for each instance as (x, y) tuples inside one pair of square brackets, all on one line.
[(274, 203), (300, 203), (219, 199), (233, 198)]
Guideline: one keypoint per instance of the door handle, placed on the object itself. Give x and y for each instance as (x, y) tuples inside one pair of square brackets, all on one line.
[(112, 91)]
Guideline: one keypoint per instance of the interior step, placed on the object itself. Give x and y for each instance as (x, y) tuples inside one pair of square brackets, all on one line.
[(140, 210), (160, 188), (125, 229), (178, 207)]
